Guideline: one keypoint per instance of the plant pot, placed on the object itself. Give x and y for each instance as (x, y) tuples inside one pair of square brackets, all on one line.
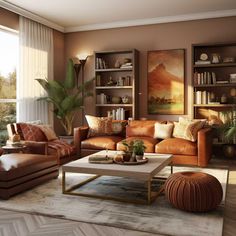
[(139, 157), (229, 150), (127, 156)]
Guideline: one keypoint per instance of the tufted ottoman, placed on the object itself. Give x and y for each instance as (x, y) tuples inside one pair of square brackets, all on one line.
[(193, 191)]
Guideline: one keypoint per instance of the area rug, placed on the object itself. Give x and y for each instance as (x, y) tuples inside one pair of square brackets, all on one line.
[(159, 217)]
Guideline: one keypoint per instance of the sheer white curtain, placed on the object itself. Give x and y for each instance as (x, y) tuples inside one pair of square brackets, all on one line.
[(35, 61)]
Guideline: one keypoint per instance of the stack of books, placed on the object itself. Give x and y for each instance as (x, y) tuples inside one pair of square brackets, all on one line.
[(127, 65), (201, 62)]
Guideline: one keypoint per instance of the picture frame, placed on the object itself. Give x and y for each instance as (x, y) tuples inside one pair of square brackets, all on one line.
[(166, 78)]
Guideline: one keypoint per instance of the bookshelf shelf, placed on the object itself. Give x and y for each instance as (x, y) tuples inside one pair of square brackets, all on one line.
[(114, 105), (215, 65), (114, 87), (214, 105)]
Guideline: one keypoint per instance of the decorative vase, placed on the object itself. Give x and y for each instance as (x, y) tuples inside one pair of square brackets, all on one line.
[(15, 138), (127, 156), (116, 100), (229, 151), (133, 157)]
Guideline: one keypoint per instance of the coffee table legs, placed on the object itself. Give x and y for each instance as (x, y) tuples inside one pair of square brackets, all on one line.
[(151, 196)]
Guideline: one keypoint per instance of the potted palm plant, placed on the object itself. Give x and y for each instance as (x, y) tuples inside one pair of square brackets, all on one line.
[(66, 97), (228, 131)]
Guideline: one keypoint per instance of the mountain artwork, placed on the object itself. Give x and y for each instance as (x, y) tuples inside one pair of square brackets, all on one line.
[(166, 82)]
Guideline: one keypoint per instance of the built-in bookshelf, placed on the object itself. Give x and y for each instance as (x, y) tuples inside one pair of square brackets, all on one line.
[(116, 78), (214, 78)]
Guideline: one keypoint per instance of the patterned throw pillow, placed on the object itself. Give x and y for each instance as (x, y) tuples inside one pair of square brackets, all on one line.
[(32, 132), (99, 125), (187, 129), (48, 132), (163, 131), (118, 127)]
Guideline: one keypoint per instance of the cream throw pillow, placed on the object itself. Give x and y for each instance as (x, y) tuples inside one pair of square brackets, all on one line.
[(163, 131), (48, 132), (99, 125), (187, 129)]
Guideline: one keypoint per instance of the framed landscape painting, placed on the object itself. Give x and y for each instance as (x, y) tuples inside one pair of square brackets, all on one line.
[(166, 82)]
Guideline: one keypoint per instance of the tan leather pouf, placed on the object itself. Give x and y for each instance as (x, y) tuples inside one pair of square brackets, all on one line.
[(193, 191)]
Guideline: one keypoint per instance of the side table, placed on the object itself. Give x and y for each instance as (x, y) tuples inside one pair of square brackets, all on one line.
[(14, 149)]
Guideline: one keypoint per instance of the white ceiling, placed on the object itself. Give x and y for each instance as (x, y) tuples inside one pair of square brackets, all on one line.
[(73, 15)]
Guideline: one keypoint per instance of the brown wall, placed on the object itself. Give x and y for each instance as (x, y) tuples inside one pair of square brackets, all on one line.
[(151, 37), (9, 19)]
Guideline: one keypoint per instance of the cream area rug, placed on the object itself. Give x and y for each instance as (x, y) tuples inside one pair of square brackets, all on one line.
[(159, 217)]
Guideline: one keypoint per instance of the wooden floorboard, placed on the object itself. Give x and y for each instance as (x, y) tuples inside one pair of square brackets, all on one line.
[(22, 224)]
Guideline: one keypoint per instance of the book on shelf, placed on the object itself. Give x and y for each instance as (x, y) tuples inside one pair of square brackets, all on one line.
[(204, 78), (100, 63), (201, 62), (127, 65), (119, 114), (222, 81), (202, 97)]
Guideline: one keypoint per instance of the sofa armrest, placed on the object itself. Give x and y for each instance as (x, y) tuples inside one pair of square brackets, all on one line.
[(204, 146), (34, 147), (80, 134)]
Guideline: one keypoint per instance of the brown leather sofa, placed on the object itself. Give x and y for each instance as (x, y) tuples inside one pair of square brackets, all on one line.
[(20, 171), (185, 152)]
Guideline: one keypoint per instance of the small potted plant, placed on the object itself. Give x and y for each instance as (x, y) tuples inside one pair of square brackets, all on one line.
[(138, 149), (128, 155), (134, 150)]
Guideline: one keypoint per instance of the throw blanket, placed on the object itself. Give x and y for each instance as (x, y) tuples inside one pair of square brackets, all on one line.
[(62, 148)]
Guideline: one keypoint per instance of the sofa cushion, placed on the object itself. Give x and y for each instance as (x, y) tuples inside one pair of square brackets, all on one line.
[(30, 132), (163, 131), (145, 122), (101, 142), (177, 146), (140, 131), (148, 142), (99, 126), (15, 165)]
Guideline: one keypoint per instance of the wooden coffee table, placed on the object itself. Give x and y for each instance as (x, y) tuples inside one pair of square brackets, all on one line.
[(145, 173)]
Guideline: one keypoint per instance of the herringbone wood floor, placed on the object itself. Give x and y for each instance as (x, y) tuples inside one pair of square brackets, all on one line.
[(21, 224)]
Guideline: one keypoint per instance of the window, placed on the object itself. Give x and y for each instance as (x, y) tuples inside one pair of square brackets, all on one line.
[(8, 69)]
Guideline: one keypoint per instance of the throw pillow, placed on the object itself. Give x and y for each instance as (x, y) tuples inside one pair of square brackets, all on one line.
[(99, 125), (187, 119), (48, 132), (118, 127), (187, 129), (163, 131), (32, 132)]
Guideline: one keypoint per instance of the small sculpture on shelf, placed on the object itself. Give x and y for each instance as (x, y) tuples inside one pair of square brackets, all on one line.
[(111, 82), (125, 99), (215, 58)]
